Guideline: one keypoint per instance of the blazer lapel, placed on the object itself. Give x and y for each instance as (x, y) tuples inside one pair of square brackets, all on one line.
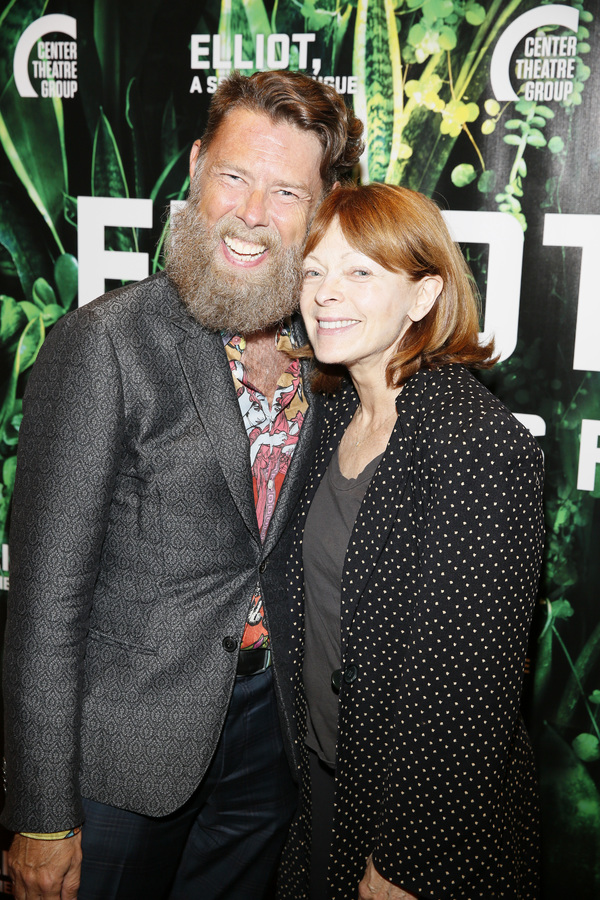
[(206, 369), (296, 475), (385, 496)]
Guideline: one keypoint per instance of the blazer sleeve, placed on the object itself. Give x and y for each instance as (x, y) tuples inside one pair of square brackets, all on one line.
[(480, 546), (69, 449)]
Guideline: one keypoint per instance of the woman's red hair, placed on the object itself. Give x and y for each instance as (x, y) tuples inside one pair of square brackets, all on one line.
[(404, 231)]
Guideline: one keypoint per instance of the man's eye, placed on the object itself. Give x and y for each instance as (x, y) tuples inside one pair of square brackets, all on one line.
[(285, 193), (361, 272)]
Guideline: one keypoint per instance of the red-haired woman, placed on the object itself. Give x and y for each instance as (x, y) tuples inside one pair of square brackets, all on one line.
[(415, 562)]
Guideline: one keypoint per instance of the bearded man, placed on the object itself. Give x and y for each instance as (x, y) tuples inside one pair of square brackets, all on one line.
[(148, 703)]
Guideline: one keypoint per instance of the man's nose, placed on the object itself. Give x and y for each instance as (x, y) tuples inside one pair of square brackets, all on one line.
[(253, 210)]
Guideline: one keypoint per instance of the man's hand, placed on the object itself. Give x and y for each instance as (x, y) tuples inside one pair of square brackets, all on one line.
[(374, 887), (45, 870)]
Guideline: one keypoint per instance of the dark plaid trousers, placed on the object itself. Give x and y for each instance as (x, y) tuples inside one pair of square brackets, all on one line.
[(224, 843)]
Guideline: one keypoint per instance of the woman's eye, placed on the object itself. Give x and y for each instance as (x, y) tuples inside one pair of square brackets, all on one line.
[(361, 272), (311, 273)]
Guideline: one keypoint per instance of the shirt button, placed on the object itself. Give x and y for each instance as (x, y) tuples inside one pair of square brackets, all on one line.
[(229, 644), (350, 674), (262, 566), (270, 484)]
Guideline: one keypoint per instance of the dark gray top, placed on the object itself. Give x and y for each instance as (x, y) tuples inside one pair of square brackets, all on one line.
[(328, 528)]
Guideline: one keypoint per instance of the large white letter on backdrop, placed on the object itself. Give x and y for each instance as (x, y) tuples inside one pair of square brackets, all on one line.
[(589, 454), (96, 264), (572, 230), (505, 238)]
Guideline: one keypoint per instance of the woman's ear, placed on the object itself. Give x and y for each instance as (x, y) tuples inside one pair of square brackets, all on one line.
[(429, 289)]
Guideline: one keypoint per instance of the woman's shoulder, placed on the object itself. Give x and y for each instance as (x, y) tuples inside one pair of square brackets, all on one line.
[(457, 407)]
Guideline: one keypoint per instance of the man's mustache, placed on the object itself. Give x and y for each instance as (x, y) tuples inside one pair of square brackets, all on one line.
[(261, 234)]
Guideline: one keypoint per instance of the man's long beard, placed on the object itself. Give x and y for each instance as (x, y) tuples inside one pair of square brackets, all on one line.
[(216, 295)]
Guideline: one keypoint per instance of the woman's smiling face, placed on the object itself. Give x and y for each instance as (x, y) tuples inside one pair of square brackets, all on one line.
[(355, 311)]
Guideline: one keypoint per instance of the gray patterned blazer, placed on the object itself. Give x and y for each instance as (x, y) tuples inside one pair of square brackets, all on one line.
[(134, 555)]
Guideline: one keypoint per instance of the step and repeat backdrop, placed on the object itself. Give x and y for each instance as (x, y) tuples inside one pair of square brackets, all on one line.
[(492, 108)]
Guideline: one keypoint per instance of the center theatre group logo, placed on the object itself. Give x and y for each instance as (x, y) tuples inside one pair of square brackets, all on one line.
[(55, 63), (547, 68)]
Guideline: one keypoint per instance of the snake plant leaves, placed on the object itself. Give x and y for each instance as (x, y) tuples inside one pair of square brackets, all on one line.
[(14, 19), (108, 173), (377, 65), (109, 180), (22, 240), (23, 134), (571, 806)]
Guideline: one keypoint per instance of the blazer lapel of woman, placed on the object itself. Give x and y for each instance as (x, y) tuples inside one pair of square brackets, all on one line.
[(387, 496)]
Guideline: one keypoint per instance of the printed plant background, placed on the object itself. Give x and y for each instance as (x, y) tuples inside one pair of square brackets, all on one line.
[(433, 125)]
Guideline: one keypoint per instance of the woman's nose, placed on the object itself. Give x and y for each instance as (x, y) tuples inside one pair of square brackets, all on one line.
[(328, 290)]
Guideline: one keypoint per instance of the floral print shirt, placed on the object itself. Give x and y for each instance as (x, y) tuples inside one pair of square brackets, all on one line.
[(273, 433)]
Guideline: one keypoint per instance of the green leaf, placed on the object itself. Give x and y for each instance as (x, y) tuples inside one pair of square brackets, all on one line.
[(376, 62), (21, 239), (29, 345), (487, 181), (536, 139), (8, 472), (474, 13), (488, 126), (108, 174), (448, 39), (492, 107), (512, 139), (587, 747), (562, 609), (52, 313), (31, 310), (595, 697), (12, 318), (43, 293), (556, 144), (526, 106), (438, 9), (463, 174), (66, 274), (26, 125)]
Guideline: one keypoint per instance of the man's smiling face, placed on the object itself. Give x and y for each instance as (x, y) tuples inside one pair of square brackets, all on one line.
[(236, 248), (259, 184)]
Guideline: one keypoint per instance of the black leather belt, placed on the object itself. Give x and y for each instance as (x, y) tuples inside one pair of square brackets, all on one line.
[(251, 662)]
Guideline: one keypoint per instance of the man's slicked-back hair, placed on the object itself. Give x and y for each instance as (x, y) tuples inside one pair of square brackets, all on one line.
[(294, 98)]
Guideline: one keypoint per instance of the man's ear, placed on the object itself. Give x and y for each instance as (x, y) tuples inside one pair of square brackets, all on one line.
[(429, 289), (194, 154)]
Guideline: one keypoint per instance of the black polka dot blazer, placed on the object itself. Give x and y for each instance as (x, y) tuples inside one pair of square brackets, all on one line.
[(435, 776)]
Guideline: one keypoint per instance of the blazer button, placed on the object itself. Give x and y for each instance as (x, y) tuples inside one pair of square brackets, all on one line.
[(262, 566), (350, 674), (229, 644)]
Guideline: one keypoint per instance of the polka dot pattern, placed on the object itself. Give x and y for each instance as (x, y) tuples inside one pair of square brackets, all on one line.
[(435, 775)]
